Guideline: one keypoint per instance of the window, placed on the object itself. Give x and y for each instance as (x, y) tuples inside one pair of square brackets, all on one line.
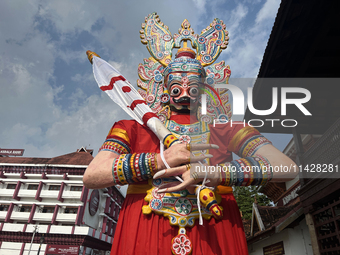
[(25, 208), (11, 186), (326, 220), (54, 187), (73, 210), (76, 188), (4, 208), (20, 222), (48, 209), (32, 186)]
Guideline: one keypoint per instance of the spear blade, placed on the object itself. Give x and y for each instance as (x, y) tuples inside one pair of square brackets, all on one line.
[(120, 90)]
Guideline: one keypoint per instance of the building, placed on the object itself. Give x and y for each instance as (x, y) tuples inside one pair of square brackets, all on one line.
[(45, 198), (300, 53), (282, 228)]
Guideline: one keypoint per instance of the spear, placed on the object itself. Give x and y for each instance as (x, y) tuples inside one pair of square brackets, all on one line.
[(120, 90)]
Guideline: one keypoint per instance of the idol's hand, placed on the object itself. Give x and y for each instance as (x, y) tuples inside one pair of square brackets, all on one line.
[(191, 175), (180, 154)]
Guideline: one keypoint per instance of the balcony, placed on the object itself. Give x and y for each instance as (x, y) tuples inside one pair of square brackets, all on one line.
[(61, 229), (66, 217), (27, 193), (13, 227), (43, 217), (20, 216), (49, 194), (72, 195), (7, 192), (3, 215)]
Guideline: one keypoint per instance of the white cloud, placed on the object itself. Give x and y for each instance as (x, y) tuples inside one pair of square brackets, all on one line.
[(200, 4), (35, 33), (84, 78), (72, 56), (236, 16), (69, 16), (248, 39), (88, 126), (77, 77), (127, 71), (268, 11), (26, 98)]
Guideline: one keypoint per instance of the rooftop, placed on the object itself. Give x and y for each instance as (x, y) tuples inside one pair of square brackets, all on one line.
[(81, 157)]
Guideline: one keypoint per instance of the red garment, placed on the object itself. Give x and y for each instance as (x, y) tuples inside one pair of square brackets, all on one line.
[(137, 233)]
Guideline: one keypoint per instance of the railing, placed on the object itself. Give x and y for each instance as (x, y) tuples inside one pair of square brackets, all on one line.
[(41, 169), (61, 229), (71, 194), (66, 217), (326, 220), (326, 151), (7, 192), (49, 194), (27, 193), (3, 215), (39, 216), (20, 216)]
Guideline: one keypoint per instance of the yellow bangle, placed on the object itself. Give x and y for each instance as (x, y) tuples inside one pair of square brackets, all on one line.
[(120, 171), (132, 165), (169, 140)]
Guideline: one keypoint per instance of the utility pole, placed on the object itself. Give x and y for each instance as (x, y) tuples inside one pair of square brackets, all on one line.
[(35, 230)]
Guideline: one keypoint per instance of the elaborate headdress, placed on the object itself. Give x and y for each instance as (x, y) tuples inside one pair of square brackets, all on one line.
[(209, 44)]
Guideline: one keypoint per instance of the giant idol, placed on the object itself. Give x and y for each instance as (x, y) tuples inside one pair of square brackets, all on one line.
[(159, 215)]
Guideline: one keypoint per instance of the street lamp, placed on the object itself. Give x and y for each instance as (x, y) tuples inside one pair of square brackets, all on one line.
[(42, 239), (35, 231)]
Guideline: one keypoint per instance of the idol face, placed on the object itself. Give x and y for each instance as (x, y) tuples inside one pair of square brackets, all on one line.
[(184, 90)]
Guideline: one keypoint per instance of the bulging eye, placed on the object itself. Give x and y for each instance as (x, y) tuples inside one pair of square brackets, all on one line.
[(175, 91), (193, 91)]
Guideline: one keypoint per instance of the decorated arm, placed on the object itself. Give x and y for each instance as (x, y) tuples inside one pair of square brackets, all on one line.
[(261, 162), (114, 164), (258, 157), (268, 164)]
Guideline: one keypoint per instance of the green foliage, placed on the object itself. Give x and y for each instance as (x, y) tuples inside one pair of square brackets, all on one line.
[(245, 197)]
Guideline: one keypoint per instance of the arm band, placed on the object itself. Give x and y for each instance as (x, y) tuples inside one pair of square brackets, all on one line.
[(132, 168), (247, 141), (255, 170)]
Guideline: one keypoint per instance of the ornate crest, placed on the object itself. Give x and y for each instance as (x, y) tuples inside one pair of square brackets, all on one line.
[(209, 44), (180, 208)]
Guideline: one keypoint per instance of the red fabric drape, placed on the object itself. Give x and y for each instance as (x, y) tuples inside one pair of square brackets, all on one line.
[(137, 233)]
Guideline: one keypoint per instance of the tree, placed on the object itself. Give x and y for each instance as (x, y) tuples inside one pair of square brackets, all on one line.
[(245, 197)]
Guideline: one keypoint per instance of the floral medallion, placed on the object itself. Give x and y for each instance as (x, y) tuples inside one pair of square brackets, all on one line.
[(181, 244)]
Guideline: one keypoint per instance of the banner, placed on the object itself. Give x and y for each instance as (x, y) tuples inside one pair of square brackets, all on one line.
[(52, 249)]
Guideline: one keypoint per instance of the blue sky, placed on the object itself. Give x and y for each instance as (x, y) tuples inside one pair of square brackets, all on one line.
[(50, 103)]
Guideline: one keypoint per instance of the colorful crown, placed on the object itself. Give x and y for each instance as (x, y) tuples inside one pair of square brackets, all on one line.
[(208, 45), (185, 61)]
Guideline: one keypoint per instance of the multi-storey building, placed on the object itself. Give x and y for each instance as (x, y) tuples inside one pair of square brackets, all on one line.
[(44, 200)]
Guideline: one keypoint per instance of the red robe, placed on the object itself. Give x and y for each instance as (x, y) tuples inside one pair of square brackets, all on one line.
[(137, 233)]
